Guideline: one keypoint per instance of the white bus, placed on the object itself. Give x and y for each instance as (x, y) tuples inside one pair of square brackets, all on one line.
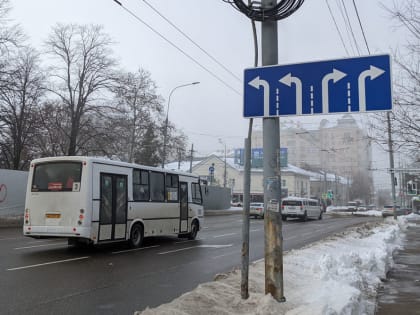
[(92, 201), (303, 208)]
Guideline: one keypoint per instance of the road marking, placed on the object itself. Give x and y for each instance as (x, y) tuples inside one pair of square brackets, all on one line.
[(134, 249), (222, 235), (290, 238), (189, 241), (33, 246), (48, 263), (223, 255), (191, 247), (256, 230)]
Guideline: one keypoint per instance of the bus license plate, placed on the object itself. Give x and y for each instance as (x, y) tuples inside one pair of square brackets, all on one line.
[(53, 215)]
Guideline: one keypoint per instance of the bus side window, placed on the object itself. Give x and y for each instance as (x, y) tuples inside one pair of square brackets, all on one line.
[(172, 187), (157, 186), (196, 193), (141, 185)]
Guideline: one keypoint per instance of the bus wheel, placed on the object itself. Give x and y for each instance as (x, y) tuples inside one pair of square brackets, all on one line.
[(194, 230), (136, 236)]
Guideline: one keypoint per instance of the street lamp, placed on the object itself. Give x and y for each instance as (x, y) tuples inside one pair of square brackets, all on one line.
[(165, 131)]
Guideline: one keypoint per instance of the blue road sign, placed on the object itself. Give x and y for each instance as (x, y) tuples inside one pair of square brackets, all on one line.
[(336, 86)]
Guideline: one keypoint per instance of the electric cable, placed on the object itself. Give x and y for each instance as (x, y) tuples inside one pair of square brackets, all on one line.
[(350, 27), (191, 40), (337, 28), (178, 48), (361, 26)]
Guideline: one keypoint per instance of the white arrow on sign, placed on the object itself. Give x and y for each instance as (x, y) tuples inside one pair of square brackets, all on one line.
[(288, 80), (336, 75), (256, 83), (373, 73)]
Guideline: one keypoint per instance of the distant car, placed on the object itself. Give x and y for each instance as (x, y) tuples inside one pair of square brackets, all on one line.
[(236, 204), (352, 206), (389, 212), (256, 209), (362, 208)]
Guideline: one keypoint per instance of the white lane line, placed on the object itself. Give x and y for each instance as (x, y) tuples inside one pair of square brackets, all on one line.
[(43, 245), (189, 241), (48, 263), (222, 235), (255, 230), (177, 250), (228, 254), (192, 247), (290, 238), (134, 249), (205, 227)]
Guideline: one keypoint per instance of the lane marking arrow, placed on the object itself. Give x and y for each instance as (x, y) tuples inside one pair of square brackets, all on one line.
[(288, 79), (256, 83), (336, 76), (373, 73)]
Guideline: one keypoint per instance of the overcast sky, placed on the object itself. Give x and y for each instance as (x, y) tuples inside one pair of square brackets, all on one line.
[(212, 109)]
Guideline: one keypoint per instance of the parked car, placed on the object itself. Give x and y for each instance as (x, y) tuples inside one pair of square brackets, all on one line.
[(236, 204), (388, 211), (256, 209), (352, 206), (362, 208)]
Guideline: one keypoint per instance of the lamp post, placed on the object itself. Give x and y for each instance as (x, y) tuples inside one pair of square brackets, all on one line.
[(165, 131), (224, 174)]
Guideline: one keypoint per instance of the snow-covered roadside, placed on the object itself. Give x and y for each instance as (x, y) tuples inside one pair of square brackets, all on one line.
[(339, 275)]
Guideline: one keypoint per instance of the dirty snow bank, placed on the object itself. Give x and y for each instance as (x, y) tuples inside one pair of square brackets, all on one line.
[(338, 275)]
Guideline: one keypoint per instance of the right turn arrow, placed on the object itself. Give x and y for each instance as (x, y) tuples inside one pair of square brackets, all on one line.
[(336, 75), (373, 73)]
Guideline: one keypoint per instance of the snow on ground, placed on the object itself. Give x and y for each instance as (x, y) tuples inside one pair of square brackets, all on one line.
[(339, 275)]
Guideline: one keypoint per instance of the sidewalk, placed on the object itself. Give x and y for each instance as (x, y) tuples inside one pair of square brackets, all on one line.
[(400, 293)]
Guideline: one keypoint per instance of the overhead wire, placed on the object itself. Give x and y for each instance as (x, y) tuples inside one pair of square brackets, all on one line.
[(361, 26), (337, 28), (350, 27), (191, 40), (343, 16), (177, 48)]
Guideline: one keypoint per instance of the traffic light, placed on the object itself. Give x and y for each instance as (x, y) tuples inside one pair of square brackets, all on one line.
[(411, 188)]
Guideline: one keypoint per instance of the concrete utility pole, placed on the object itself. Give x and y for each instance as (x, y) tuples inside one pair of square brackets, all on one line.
[(245, 221), (272, 182), (391, 164)]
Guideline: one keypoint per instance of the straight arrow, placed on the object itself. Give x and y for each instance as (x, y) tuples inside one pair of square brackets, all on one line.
[(336, 76), (256, 83), (288, 79), (373, 73)]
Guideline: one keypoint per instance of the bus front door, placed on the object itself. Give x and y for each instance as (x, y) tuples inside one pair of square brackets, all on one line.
[(113, 207), (183, 198)]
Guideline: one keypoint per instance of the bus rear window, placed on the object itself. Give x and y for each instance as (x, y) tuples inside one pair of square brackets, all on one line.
[(292, 203), (57, 176)]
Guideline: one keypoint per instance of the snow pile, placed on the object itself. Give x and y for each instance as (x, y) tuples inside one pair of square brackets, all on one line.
[(339, 275)]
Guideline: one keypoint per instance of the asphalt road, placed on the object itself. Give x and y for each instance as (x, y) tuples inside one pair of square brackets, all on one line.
[(48, 277)]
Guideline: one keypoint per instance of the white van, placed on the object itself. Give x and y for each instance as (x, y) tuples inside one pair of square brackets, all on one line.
[(303, 208)]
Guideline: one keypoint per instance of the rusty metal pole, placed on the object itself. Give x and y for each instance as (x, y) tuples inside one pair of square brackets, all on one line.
[(272, 183)]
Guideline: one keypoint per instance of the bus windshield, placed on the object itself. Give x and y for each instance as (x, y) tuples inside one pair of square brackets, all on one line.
[(57, 176)]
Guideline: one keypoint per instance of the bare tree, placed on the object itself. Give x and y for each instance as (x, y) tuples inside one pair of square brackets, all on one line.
[(10, 38), (139, 110), (17, 103), (405, 116), (81, 75)]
